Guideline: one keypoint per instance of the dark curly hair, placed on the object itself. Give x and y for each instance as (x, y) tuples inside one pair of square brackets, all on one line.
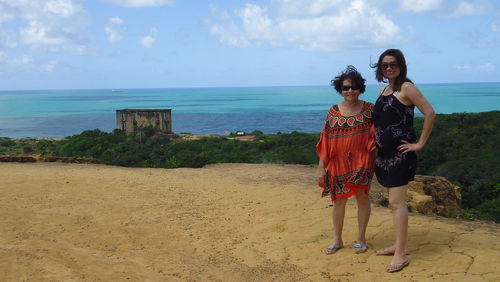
[(349, 73), (400, 58)]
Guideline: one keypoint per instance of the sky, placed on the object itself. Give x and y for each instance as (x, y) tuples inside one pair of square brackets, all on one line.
[(120, 44)]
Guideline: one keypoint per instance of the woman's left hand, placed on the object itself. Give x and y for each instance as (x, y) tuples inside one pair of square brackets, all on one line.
[(408, 147)]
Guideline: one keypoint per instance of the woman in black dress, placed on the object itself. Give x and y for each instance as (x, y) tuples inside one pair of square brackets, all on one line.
[(396, 143)]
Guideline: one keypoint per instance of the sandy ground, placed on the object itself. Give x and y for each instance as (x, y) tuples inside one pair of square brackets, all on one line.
[(228, 222)]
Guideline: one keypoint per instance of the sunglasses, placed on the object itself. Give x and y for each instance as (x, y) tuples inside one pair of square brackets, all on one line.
[(347, 87), (389, 64)]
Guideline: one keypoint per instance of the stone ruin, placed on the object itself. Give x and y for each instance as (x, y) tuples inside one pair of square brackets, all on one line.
[(135, 120)]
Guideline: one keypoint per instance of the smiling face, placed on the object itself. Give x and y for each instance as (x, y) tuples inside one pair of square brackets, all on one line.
[(350, 91), (390, 67)]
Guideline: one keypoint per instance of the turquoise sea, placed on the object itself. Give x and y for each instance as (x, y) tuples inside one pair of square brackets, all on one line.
[(60, 113)]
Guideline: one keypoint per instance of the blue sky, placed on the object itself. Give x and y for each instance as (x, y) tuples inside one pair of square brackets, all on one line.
[(94, 44)]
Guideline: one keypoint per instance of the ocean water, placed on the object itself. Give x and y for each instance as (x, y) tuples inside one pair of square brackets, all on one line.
[(60, 113)]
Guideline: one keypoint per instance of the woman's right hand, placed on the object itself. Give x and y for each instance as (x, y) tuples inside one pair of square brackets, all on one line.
[(321, 175), (321, 172)]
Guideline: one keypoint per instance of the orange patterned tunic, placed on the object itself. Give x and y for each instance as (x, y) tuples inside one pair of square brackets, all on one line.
[(347, 150)]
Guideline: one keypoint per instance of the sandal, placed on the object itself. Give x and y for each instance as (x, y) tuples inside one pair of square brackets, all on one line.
[(397, 267), (360, 248), (330, 250)]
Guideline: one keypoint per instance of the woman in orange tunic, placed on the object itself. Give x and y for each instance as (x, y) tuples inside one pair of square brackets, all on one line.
[(346, 152)]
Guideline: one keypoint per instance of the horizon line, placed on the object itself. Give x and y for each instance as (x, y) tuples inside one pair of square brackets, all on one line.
[(212, 87)]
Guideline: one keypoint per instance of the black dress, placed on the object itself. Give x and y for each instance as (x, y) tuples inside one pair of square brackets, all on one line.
[(393, 122)]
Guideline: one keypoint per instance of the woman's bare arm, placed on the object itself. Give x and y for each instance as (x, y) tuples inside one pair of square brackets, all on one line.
[(411, 93)]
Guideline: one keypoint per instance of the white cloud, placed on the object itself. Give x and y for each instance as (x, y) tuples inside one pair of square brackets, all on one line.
[(486, 67), (39, 33), (149, 40), (471, 9), (63, 8), (495, 26), (315, 25), (294, 8), (115, 21), (230, 34), (257, 24), (5, 15), (419, 6), (228, 31), (141, 3), (114, 29), (49, 66), (8, 39), (24, 62), (57, 25), (20, 62), (463, 67)]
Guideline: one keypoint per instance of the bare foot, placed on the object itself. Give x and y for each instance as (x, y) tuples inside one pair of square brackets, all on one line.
[(360, 248), (330, 250), (389, 251)]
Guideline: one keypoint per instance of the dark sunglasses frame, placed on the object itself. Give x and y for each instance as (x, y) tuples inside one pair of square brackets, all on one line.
[(347, 87), (389, 64)]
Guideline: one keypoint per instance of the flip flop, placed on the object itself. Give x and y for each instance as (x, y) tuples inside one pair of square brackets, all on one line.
[(397, 267), (361, 248), (330, 250)]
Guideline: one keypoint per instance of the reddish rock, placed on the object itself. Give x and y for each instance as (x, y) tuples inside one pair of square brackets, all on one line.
[(429, 195), (71, 160), (446, 196), (19, 159), (33, 159)]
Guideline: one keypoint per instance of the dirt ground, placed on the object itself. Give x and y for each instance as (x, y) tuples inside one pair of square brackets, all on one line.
[(227, 222)]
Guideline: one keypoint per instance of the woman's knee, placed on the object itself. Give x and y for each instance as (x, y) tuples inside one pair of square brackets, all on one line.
[(397, 204), (339, 202), (397, 197), (363, 199)]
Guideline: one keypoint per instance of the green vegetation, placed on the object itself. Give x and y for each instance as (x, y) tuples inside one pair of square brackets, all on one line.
[(462, 148), (152, 149), (16, 147)]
